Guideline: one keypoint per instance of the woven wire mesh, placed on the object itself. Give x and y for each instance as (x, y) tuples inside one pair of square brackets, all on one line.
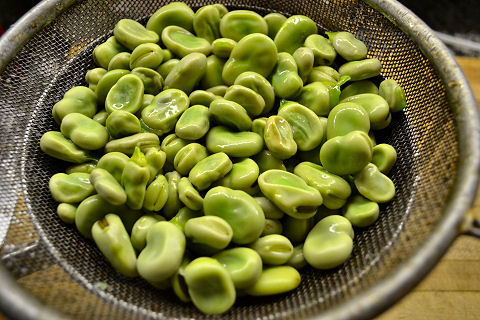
[(66, 272)]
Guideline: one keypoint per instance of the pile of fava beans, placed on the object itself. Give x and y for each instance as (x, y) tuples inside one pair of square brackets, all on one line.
[(215, 153)]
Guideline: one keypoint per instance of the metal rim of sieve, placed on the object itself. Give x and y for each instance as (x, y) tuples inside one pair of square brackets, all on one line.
[(17, 303)]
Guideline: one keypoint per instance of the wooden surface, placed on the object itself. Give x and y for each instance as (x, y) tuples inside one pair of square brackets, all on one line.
[(452, 290)]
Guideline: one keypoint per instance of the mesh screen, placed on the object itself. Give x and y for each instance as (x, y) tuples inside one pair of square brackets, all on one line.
[(65, 271)]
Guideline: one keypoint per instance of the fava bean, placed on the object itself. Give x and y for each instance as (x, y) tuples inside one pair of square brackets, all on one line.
[(346, 154), (376, 107), (82, 167), (255, 52), (162, 114), (210, 286), (163, 253), (234, 144), (173, 203), (135, 178), (293, 33), (223, 47), (127, 144), (304, 59), (296, 230), (323, 73), (384, 157), (103, 53), (285, 79), (66, 212), (393, 93), (179, 285), (147, 55), (101, 117), (266, 161), (188, 195), (121, 123), (258, 126), (183, 215), (316, 97), (240, 23), (175, 13), (297, 260), (251, 101), (167, 54), (95, 208), (208, 234), (346, 45), (243, 175), (70, 188), (120, 61), (93, 76), (270, 210), (114, 163), (113, 241), (323, 51), (140, 229), (156, 194), (188, 156), (56, 145), (84, 131), (275, 280), (239, 209), (187, 73), (260, 85), (147, 100), (278, 137), (152, 80), (231, 114), (202, 97), (374, 185), (361, 212), (131, 34), (105, 83), (243, 264), (272, 226), (290, 193), (306, 125), (361, 70), (345, 118), (358, 87), (329, 243), (171, 144), (209, 170), (206, 22), (166, 67), (126, 94), (334, 189), (79, 100), (274, 22), (182, 42), (108, 187), (218, 90), (213, 72), (274, 249)]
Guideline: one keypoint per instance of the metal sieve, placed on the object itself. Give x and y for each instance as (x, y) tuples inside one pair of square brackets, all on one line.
[(49, 271)]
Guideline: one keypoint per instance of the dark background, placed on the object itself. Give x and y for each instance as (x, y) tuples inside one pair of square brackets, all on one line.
[(460, 18)]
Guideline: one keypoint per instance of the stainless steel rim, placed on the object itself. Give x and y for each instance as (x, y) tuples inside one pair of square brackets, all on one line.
[(17, 303)]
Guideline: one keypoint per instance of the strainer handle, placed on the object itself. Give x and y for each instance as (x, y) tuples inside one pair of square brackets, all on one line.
[(471, 225)]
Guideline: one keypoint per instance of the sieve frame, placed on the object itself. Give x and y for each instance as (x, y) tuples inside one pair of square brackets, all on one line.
[(17, 303)]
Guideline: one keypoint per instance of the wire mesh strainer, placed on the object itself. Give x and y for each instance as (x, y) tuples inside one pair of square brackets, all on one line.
[(50, 270)]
